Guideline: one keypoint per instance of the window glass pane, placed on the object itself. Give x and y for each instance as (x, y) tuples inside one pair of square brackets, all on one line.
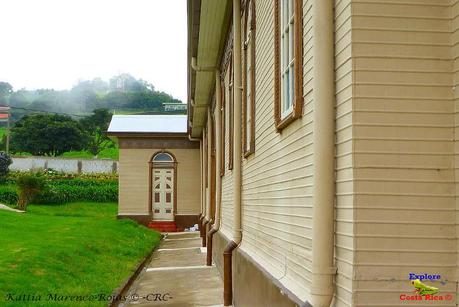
[(290, 44), (291, 88), (287, 56), (287, 94), (156, 197), (163, 157), (286, 50)]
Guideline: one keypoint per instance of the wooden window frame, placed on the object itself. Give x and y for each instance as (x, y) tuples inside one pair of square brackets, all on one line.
[(298, 65), (249, 147), (231, 116), (223, 128)]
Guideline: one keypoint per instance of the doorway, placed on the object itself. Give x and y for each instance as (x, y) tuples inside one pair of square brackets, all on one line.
[(163, 187)]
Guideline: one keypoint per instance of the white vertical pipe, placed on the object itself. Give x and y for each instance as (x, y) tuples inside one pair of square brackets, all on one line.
[(237, 115), (209, 164), (218, 146), (204, 173), (324, 183), (201, 160)]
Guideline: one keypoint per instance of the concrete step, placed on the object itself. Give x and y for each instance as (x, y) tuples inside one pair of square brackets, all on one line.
[(182, 235), (169, 243), (177, 257)]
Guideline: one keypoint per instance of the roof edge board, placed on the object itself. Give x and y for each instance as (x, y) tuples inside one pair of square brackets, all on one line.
[(213, 23)]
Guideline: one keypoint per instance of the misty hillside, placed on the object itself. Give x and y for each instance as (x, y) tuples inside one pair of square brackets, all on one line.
[(121, 93)]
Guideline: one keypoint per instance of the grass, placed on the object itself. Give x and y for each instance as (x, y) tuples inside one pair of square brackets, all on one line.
[(151, 111), (2, 132), (109, 153), (74, 249)]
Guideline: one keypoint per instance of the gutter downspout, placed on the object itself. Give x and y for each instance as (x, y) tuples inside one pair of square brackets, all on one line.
[(202, 220), (218, 143), (197, 68), (201, 160), (237, 152), (324, 148), (204, 180), (209, 129)]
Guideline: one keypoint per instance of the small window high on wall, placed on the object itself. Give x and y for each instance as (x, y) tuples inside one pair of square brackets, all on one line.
[(288, 62)]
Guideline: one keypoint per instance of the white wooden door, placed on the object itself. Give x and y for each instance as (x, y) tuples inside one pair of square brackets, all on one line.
[(163, 194)]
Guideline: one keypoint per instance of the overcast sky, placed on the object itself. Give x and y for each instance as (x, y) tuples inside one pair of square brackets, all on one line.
[(54, 43)]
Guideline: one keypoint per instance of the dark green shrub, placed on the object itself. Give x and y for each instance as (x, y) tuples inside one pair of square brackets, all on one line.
[(59, 194), (8, 195), (52, 174), (28, 187), (69, 190), (5, 162), (59, 190)]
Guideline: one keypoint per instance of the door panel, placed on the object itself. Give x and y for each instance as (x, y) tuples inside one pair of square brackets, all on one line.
[(163, 194)]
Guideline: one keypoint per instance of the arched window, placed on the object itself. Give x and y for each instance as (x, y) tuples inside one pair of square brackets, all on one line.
[(163, 157)]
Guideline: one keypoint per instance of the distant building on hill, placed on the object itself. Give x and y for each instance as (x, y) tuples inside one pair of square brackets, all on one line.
[(168, 106)]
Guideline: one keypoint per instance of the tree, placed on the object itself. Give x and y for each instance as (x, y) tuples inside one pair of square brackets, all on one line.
[(95, 127), (44, 134), (5, 88), (18, 99), (127, 83)]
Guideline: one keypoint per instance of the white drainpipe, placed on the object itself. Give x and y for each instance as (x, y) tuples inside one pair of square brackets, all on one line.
[(324, 149), (237, 152), (197, 68), (237, 110), (201, 159), (218, 146), (209, 165), (218, 142), (204, 172)]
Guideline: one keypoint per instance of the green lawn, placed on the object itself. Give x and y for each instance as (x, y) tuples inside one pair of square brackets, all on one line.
[(74, 249), (109, 153), (2, 132)]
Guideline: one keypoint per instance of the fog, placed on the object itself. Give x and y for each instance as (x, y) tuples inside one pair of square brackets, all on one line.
[(55, 43)]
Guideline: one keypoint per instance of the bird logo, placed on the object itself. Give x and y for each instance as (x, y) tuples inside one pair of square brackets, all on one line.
[(423, 289)]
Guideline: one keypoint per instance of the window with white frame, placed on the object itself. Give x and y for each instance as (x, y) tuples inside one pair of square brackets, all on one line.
[(288, 62), (287, 57)]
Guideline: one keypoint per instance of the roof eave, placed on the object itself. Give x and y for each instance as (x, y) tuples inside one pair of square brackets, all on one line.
[(147, 134), (207, 28)]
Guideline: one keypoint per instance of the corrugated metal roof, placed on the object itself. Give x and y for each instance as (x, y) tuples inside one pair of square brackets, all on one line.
[(148, 124)]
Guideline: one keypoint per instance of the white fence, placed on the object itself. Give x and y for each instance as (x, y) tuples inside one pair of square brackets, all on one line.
[(65, 165)]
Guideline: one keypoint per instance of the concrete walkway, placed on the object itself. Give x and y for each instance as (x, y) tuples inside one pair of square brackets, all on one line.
[(4, 207), (178, 276)]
